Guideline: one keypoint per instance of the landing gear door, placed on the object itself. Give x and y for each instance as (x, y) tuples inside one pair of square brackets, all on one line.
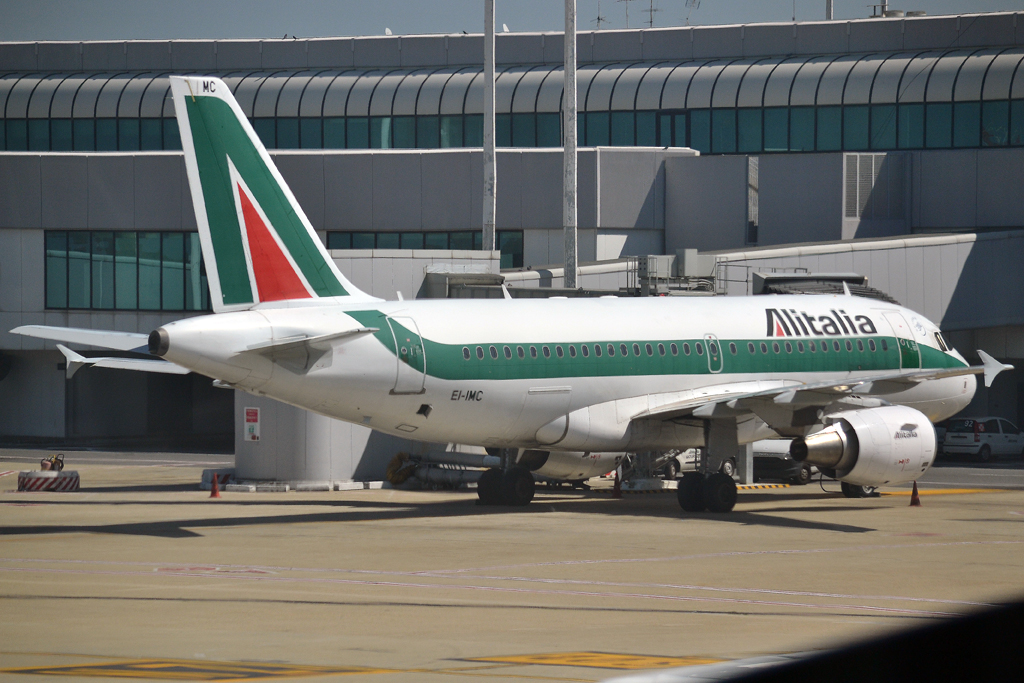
[(714, 353), (910, 352), (412, 359)]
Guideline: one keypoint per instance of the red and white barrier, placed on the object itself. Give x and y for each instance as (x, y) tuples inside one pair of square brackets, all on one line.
[(41, 480)]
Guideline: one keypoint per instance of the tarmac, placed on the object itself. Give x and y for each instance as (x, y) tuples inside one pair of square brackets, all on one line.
[(142, 576)]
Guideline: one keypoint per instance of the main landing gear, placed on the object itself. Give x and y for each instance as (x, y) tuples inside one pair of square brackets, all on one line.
[(716, 493), (512, 487)]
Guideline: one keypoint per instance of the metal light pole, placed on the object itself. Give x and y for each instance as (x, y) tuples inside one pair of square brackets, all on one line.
[(490, 176), (569, 148)]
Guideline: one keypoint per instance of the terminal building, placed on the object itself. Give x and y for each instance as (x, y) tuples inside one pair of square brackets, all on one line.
[(891, 147)]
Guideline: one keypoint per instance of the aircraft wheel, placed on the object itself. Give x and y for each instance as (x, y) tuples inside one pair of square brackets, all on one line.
[(804, 476), (728, 467), (671, 470), (720, 492), (489, 487), (518, 486), (854, 491), (691, 492)]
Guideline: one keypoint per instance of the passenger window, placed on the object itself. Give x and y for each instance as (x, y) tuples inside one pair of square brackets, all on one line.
[(625, 352), (835, 346), (533, 352), (824, 347), (812, 346), (885, 345), (661, 349), (519, 350), (750, 348), (871, 345), (686, 348), (732, 348), (713, 348), (649, 349), (1009, 427), (558, 351), (547, 352), (494, 352), (508, 352), (597, 350), (699, 348), (800, 347), (611, 349), (636, 350), (789, 348), (480, 352), (764, 348), (572, 351), (849, 345), (674, 349), (585, 350), (860, 345), (465, 352), (776, 348)]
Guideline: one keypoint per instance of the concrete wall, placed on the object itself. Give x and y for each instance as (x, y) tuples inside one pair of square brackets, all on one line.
[(705, 203), (860, 35)]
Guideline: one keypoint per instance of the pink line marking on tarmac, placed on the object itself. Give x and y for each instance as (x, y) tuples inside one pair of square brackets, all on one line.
[(4, 474)]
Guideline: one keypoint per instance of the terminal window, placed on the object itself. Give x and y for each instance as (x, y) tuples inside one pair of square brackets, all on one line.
[(510, 242), (125, 271)]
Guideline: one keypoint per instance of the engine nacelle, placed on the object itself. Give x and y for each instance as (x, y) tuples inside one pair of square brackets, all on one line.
[(871, 447), (568, 466)]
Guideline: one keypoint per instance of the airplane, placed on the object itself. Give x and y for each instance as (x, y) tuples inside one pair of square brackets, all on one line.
[(560, 388)]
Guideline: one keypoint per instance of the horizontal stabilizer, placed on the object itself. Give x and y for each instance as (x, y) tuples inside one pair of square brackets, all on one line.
[(992, 367), (77, 361), (108, 339)]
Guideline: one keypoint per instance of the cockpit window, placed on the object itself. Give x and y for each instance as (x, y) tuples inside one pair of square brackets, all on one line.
[(941, 342)]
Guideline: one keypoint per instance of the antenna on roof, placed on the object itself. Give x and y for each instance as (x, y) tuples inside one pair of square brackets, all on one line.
[(650, 14), (600, 19), (627, 10), (692, 5)]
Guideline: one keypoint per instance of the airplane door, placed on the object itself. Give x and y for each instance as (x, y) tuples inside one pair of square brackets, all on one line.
[(412, 359), (714, 353), (910, 353)]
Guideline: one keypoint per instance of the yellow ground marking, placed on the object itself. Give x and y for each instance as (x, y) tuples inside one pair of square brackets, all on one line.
[(941, 492), (192, 670), (598, 660), (751, 487)]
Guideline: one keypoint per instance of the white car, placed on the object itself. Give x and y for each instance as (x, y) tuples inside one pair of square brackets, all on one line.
[(983, 437)]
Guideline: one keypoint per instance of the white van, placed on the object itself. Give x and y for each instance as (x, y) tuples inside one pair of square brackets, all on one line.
[(983, 437)]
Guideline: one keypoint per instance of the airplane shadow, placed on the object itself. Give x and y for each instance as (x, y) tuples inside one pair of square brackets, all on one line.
[(350, 511)]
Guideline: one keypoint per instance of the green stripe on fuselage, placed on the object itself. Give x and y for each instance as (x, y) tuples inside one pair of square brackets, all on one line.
[(217, 134), (447, 361)]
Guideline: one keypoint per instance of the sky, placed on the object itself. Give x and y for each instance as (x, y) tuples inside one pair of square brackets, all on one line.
[(31, 20)]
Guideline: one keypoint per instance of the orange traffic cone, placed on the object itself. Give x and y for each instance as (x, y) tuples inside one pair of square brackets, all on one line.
[(915, 500), (215, 489), (617, 488)]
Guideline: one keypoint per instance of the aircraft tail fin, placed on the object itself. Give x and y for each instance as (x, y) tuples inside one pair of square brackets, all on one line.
[(257, 242)]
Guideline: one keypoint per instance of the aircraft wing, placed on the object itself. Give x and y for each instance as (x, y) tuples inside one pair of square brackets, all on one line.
[(740, 399), (108, 339)]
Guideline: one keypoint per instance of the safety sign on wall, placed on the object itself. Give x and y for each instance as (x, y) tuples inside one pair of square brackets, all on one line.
[(252, 424)]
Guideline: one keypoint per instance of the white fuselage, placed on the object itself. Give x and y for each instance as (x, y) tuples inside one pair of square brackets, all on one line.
[(411, 377)]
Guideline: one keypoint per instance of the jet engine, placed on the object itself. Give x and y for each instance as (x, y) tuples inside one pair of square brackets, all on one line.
[(871, 447), (568, 466)]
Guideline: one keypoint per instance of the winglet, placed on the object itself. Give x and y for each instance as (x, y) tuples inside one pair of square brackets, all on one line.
[(75, 360), (992, 367)]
